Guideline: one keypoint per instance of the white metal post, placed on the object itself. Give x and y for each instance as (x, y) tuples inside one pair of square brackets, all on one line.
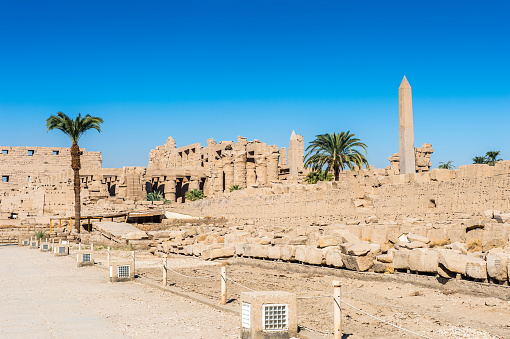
[(337, 312), (223, 285)]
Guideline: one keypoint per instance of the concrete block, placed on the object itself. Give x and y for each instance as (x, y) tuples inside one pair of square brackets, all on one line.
[(122, 271), (255, 307)]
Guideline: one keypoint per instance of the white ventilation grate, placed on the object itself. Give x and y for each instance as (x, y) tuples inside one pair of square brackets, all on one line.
[(275, 317), (45, 246), (123, 271), (34, 244), (61, 250), (246, 315), (25, 242), (85, 257)]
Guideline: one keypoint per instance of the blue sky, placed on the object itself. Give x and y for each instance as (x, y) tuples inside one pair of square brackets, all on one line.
[(260, 69)]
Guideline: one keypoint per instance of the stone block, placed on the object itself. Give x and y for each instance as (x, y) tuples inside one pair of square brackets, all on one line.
[(288, 252), (274, 252), (225, 252), (298, 241), (415, 237), (497, 264), (401, 260), (476, 268), (327, 241), (453, 262), (415, 244), (359, 249), (300, 253), (334, 258), (459, 246), (423, 260), (380, 267), (314, 256), (385, 258), (379, 235), (358, 263)]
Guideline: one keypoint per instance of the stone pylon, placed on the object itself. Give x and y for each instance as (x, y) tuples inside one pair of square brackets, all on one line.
[(406, 130)]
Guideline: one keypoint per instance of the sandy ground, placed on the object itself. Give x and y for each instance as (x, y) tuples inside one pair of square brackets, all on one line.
[(43, 296), (48, 297), (429, 312)]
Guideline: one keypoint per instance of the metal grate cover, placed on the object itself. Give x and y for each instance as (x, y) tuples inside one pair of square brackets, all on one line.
[(45, 246), (34, 244), (61, 250), (25, 242), (275, 317), (85, 257), (123, 271)]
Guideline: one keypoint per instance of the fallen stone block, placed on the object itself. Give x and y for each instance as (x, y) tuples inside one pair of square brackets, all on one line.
[(375, 249), (459, 246), (423, 260), (298, 241), (287, 252), (415, 244), (359, 249), (401, 260), (385, 258), (476, 268), (274, 252), (327, 241), (454, 262), (334, 258), (497, 264), (380, 267), (344, 247), (300, 254), (415, 237), (314, 256), (225, 252), (358, 263)]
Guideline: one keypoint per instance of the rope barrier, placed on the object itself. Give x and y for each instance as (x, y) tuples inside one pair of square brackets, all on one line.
[(313, 297), (381, 320), (187, 276), (235, 282)]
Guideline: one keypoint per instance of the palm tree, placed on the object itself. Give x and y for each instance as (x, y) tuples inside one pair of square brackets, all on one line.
[(336, 152), (479, 160), (491, 157), (74, 129), (446, 165)]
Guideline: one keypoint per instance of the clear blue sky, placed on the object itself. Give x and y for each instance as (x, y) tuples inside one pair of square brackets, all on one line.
[(218, 69)]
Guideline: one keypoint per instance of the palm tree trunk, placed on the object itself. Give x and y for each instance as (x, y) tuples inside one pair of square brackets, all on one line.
[(75, 165), (336, 168)]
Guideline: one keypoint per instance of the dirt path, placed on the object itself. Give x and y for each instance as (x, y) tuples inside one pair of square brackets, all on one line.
[(43, 296)]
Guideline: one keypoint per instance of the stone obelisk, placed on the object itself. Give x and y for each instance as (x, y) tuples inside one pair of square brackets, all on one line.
[(406, 132)]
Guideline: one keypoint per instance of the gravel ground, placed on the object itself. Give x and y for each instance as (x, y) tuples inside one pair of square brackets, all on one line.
[(429, 312)]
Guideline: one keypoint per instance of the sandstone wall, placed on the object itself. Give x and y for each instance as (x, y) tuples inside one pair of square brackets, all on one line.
[(438, 195), (27, 165)]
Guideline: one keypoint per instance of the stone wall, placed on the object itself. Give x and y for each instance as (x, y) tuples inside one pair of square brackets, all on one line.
[(436, 195), (25, 166)]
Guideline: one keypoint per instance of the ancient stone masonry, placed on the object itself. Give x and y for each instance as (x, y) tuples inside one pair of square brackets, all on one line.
[(219, 166), (26, 166), (406, 131), (422, 160), (296, 155)]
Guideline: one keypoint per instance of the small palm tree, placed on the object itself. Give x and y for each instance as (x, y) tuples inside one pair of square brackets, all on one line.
[(446, 165), (194, 195), (315, 176), (74, 129), (492, 157), (336, 152), (479, 160)]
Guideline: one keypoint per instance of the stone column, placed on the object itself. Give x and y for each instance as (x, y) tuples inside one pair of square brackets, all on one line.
[(194, 183), (406, 131), (251, 177), (283, 156), (261, 169), (228, 169), (169, 190), (240, 170), (272, 167)]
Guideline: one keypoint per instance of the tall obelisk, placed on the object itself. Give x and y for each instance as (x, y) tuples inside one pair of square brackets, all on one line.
[(406, 131)]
